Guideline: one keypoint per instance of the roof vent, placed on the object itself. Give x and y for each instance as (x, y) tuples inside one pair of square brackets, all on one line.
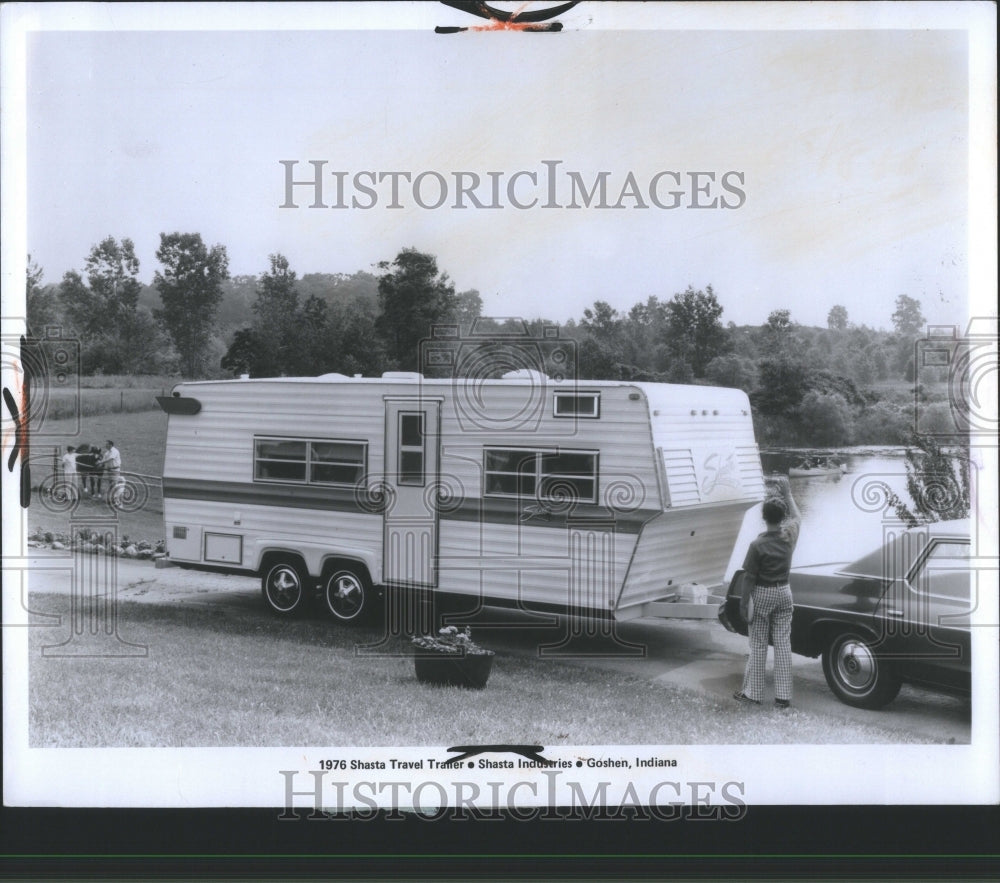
[(333, 376)]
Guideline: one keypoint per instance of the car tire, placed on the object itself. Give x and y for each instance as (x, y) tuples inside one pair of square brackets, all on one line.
[(284, 584), (348, 595), (855, 672)]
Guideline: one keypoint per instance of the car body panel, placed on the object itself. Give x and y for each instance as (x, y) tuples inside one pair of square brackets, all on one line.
[(910, 597)]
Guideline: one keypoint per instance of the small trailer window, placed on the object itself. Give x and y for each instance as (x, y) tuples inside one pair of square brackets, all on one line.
[(547, 475), (411, 449), (308, 461), (576, 404)]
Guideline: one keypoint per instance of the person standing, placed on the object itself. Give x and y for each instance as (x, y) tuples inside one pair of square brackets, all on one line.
[(86, 461), (69, 466), (111, 462), (767, 565)]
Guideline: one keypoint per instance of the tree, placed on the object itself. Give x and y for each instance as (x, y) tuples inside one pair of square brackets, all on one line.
[(244, 352), (694, 329), (413, 296), (736, 372), (112, 273), (783, 383), (40, 302), (190, 289), (937, 482), (836, 319), (825, 419), (907, 319), (595, 362), (468, 309), (643, 327), (79, 304), (278, 323), (779, 321)]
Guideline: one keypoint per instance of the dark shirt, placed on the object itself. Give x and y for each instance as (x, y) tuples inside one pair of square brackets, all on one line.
[(769, 557)]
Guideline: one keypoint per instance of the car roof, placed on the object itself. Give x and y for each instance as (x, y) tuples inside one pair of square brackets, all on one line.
[(894, 558)]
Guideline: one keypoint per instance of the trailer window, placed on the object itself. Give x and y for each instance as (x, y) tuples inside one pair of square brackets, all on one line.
[(411, 449), (511, 472), (309, 462), (568, 475), (576, 404), (279, 460), (336, 462), (547, 475)]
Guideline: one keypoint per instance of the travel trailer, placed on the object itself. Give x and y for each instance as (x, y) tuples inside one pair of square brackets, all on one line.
[(605, 498)]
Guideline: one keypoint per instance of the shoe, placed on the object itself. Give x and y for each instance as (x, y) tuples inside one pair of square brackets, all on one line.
[(782, 703), (740, 696)]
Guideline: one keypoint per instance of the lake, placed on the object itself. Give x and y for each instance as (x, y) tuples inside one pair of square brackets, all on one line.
[(842, 515)]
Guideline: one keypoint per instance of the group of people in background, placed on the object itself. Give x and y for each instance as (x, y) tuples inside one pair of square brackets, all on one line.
[(96, 470)]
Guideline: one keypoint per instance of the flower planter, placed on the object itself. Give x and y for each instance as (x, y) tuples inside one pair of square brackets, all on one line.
[(455, 669)]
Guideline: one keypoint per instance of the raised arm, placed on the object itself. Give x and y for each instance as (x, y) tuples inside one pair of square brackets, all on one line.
[(784, 488)]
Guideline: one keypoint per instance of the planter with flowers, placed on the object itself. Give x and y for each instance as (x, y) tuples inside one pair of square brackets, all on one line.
[(452, 657)]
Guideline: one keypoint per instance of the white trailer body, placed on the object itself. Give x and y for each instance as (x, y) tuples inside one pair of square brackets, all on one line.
[(585, 497)]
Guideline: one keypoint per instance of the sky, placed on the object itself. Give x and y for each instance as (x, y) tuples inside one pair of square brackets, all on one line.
[(846, 152)]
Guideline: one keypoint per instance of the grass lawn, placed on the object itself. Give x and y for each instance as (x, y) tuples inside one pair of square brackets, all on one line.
[(237, 677)]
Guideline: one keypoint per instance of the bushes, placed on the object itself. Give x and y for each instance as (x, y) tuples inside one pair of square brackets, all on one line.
[(883, 424), (825, 419)]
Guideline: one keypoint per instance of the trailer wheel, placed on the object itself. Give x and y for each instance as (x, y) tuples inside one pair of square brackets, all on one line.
[(284, 588), (348, 594)]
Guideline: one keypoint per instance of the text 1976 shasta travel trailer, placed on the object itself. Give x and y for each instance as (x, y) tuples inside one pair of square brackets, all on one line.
[(596, 497)]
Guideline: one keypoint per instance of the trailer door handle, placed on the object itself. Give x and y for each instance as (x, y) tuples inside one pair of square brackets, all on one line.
[(894, 612)]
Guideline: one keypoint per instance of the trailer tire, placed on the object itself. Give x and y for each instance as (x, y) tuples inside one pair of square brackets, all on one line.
[(284, 584), (348, 594)]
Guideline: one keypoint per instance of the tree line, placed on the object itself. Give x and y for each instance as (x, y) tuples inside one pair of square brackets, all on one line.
[(808, 385)]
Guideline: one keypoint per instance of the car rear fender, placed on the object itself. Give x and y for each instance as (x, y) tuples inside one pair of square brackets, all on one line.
[(822, 631)]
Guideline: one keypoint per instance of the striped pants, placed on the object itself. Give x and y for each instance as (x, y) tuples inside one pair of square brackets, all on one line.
[(772, 618)]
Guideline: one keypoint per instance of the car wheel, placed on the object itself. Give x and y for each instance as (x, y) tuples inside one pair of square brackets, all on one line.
[(856, 674), (284, 588), (348, 594)]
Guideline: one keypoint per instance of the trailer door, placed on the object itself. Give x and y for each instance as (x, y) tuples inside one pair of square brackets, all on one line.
[(412, 466)]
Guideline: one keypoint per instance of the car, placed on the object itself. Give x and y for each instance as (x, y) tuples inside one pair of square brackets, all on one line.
[(899, 614)]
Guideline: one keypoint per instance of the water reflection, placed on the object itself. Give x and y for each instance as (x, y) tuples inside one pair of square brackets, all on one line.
[(842, 514)]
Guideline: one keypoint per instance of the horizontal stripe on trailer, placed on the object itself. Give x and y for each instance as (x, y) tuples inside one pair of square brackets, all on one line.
[(485, 510)]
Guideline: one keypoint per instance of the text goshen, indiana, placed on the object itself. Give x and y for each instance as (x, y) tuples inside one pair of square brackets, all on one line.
[(551, 188)]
